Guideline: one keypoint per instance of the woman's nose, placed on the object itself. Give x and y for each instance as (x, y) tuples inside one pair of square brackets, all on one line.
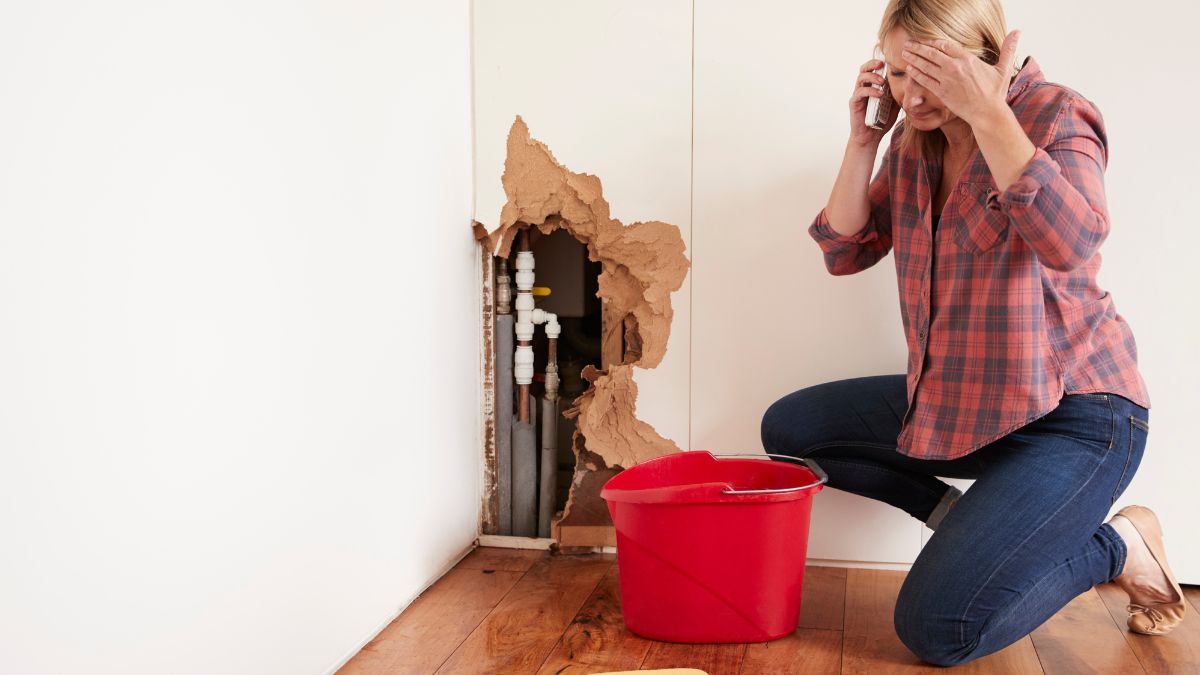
[(915, 96)]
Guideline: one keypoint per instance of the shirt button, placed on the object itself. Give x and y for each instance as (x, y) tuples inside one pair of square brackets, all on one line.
[(921, 335)]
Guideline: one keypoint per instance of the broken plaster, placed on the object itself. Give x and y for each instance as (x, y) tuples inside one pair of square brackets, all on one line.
[(642, 264)]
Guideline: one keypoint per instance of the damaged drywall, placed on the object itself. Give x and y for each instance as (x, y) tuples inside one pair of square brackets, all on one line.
[(642, 264)]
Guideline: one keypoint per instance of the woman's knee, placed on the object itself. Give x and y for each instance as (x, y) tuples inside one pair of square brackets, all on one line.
[(787, 424), (806, 417), (928, 627)]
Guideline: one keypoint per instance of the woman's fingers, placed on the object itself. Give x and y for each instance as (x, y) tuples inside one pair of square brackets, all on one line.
[(858, 101), (923, 78), (863, 92), (870, 77), (922, 57), (948, 47), (927, 52), (873, 64), (1008, 52)]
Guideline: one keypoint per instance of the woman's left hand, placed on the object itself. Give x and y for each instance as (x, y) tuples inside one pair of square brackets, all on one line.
[(965, 83)]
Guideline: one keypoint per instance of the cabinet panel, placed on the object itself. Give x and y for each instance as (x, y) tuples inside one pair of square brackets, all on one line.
[(770, 107)]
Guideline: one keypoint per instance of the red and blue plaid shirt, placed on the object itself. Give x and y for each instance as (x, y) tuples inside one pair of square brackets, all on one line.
[(1012, 318)]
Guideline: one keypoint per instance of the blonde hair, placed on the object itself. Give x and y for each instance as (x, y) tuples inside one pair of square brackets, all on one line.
[(977, 25)]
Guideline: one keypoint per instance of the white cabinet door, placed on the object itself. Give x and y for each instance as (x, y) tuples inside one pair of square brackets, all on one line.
[(740, 152), (767, 317)]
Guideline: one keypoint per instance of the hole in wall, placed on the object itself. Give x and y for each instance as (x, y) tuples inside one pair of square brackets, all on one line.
[(640, 265), (572, 280)]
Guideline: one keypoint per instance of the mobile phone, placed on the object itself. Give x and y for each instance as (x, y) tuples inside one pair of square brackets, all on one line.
[(879, 108)]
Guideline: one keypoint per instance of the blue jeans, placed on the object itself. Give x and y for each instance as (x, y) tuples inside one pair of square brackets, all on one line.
[(1027, 537)]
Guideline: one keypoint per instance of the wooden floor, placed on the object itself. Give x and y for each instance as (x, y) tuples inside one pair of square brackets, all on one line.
[(514, 611)]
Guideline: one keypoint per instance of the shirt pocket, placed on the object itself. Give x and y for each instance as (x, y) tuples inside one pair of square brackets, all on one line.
[(978, 229)]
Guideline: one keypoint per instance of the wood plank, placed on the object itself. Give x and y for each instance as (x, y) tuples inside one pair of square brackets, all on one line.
[(518, 635), (1192, 593), (823, 600), (816, 646), (1175, 652), (597, 639), (1082, 638), (714, 659), (435, 624), (587, 535), (807, 651), (870, 643), (507, 559)]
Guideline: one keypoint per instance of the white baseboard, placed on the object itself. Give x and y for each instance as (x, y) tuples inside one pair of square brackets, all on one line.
[(505, 541), (860, 564)]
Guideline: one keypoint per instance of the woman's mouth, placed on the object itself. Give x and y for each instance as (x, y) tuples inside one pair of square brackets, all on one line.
[(921, 114)]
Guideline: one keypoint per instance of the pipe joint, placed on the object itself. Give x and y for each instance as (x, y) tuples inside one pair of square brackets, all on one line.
[(525, 271), (524, 330), (523, 365)]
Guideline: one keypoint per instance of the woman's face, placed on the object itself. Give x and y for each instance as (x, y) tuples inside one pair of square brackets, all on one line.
[(924, 110)]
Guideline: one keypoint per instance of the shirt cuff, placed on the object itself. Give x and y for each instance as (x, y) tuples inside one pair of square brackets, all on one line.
[(1037, 174), (821, 231)]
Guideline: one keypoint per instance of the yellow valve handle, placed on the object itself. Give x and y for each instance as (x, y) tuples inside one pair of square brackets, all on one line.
[(541, 291)]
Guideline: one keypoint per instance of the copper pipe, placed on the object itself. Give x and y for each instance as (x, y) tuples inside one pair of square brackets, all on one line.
[(523, 405), (523, 390)]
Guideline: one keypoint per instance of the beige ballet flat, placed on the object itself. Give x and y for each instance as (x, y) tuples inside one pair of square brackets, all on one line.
[(1160, 618)]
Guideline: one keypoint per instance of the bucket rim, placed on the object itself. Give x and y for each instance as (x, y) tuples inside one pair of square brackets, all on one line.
[(717, 491)]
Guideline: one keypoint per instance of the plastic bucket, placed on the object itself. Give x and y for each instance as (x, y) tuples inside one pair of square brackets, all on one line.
[(712, 549)]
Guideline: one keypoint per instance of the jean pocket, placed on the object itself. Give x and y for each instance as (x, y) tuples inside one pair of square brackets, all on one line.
[(1090, 418), (1139, 431), (978, 229)]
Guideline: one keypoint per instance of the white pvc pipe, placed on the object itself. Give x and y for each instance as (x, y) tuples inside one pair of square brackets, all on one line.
[(527, 317), (523, 361)]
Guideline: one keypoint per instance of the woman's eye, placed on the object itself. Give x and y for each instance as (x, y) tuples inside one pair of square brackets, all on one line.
[(895, 74)]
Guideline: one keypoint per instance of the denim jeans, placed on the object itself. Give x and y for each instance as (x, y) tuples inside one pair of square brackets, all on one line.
[(1027, 537)]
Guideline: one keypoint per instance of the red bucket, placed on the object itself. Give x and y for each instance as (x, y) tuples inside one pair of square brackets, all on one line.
[(712, 550)]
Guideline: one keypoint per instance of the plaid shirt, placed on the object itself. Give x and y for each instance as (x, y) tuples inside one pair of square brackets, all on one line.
[(1013, 318)]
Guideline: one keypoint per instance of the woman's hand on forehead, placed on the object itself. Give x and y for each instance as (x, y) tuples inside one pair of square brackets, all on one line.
[(967, 85)]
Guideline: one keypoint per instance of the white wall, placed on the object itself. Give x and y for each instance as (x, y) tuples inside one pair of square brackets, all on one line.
[(607, 87), (769, 83), (238, 329), (770, 94)]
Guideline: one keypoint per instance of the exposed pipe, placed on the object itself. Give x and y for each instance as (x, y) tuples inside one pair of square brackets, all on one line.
[(524, 481), (504, 398), (523, 369), (527, 516), (549, 468)]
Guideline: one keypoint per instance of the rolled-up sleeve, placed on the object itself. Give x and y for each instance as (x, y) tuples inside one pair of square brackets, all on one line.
[(854, 253), (1058, 205)]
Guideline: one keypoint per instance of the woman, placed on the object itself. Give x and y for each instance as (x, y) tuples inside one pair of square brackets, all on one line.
[(1021, 374)]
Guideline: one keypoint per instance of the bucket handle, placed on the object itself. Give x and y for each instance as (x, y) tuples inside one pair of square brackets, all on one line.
[(822, 477)]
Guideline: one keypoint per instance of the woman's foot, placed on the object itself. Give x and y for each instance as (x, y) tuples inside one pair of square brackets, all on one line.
[(1156, 602)]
